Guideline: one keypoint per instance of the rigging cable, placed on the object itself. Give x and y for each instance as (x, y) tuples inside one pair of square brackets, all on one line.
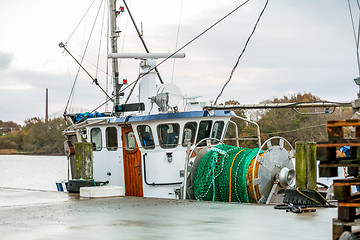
[(356, 35), (89, 62), (80, 22), (198, 36), (107, 64), (177, 39), (241, 54), (184, 46), (123, 42), (99, 50), (122, 50), (140, 35), (82, 58)]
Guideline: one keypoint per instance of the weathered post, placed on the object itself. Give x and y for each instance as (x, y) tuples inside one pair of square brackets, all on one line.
[(84, 160), (300, 164), (311, 175)]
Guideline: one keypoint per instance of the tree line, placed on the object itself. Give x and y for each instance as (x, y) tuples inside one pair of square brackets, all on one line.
[(294, 125), (39, 137), (35, 137)]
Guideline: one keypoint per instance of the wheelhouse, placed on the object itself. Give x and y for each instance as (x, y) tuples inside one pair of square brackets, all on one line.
[(147, 154)]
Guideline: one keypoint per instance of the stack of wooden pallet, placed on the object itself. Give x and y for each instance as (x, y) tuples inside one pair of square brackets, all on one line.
[(328, 167)]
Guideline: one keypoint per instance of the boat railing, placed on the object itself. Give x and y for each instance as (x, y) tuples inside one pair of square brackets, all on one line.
[(238, 139)]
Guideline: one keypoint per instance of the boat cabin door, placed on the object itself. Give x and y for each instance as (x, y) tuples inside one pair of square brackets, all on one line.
[(132, 164)]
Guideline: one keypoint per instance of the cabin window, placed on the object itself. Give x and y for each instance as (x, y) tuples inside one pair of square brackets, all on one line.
[(168, 135), (96, 138), (217, 130), (130, 141), (189, 133), (111, 139), (204, 131), (146, 137)]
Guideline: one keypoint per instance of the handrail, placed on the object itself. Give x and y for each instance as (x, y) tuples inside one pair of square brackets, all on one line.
[(257, 125), (236, 132)]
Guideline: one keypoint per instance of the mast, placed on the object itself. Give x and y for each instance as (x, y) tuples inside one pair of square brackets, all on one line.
[(114, 49)]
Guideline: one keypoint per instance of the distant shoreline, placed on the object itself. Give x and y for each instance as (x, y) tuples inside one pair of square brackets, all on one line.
[(15, 152)]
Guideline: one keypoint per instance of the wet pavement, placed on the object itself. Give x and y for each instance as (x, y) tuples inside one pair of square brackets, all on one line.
[(28, 214)]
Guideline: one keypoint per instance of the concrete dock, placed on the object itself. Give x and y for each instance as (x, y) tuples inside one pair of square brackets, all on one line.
[(26, 214)]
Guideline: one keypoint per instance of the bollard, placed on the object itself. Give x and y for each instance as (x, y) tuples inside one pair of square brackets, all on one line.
[(83, 160)]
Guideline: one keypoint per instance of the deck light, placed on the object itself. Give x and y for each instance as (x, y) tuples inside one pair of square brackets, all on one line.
[(357, 81)]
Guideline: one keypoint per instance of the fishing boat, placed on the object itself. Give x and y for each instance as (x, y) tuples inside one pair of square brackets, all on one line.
[(166, 146)]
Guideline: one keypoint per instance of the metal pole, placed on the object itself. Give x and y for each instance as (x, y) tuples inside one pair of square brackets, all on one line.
[(62, 45), (47, 107), (236, 133), (186, 169), (280, 105), (114, 49)]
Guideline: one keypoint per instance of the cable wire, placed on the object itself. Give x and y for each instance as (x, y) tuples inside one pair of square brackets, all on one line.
[(198, 36), (80, 22), (82, 58), (242, 53), (177, 39), (184, 46), (100, 40), (356, 35)]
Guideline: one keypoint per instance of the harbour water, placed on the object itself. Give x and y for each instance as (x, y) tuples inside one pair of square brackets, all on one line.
[(47, 214), (32, 172)]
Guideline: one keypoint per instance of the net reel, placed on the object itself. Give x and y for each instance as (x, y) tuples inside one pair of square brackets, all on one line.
[(228, 173)]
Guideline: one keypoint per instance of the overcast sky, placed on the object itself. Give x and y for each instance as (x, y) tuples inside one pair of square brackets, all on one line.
[(299, 46)]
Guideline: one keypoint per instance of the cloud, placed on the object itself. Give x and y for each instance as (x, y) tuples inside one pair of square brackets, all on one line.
[(5, 60), (301, 46), (22, 93)]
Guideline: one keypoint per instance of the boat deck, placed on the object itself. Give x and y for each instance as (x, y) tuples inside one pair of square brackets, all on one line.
[(54, 215)]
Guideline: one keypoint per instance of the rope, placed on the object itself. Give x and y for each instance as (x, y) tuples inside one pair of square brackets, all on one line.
[(322, 196), (232, 164), (306, 196), (242, 53)]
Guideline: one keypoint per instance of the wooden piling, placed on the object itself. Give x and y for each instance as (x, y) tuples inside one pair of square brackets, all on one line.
[(84, 160), (300, 164), (310, 151), (305, 165)]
